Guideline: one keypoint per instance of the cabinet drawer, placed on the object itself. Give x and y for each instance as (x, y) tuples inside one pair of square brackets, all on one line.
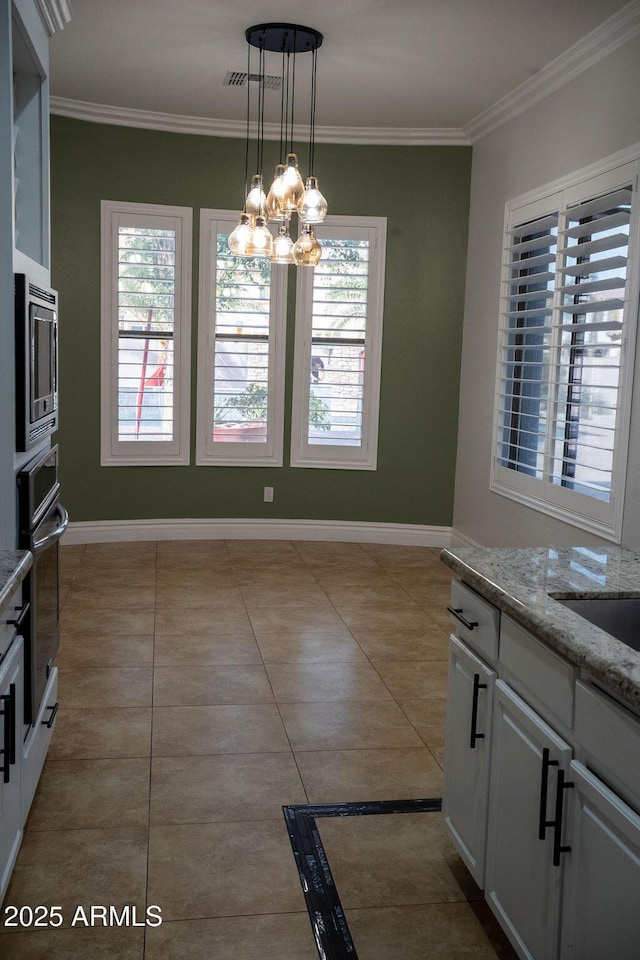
[(541, 676), (482, 619), (610, 735), (37, 743)]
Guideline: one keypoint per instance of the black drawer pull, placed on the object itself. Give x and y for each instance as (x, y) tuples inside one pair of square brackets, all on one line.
[(477, 686), (22, 616), (457, 613), (544, 789), (54, 709)]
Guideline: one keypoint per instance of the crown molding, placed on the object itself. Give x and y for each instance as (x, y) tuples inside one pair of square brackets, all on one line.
[(203, 126), (613, 33), (599, 43), (55, 14)]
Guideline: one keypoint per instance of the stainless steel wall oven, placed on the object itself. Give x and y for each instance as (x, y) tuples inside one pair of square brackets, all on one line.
[(42, 521)]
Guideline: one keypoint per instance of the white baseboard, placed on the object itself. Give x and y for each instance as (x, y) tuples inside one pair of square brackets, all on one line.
[(111, 531), (459, 539)]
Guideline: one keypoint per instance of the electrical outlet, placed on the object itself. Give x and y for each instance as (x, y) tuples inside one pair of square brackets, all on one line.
[(268, 494)]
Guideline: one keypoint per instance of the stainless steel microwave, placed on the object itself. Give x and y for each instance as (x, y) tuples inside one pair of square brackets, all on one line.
[(36, 362)]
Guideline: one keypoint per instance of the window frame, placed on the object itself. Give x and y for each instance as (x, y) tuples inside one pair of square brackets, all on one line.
[(603, 518), (335, 456), (227, 453), (115, 452)]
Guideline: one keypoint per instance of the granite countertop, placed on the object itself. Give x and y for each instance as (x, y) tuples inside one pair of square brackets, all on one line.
[(14, 565), (523, 582)]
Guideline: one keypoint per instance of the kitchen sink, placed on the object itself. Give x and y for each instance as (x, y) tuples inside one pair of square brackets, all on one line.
[(618, 616)]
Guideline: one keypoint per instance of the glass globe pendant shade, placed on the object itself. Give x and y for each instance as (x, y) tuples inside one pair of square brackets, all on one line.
[(239, 237), (256, 202), (260, 242), (306, 249), (276, 207), (282, 247), (314, 205), (293, 185)]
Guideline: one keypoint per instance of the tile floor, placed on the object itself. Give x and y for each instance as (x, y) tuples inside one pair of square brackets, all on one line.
[(202, 686)]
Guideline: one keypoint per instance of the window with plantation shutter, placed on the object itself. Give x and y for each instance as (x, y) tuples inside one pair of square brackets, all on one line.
[(567, 335), (338, 347), (240, 351), (146, 283)]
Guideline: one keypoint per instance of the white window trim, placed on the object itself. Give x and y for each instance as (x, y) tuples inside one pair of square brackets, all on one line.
[(208, 451), (153, 453), (326, 456), (586, 513)]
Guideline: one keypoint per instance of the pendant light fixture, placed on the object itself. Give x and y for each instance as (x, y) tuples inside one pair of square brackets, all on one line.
[(289, 195)]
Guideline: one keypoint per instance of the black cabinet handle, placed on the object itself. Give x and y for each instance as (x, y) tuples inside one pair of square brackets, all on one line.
[(558, 848), (18, 622), (457, 613), (54, 709), (9, 748), (544, 789), (477, 686)]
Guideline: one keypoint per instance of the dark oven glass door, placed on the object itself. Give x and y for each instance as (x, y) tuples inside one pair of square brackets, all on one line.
[(45, 612)]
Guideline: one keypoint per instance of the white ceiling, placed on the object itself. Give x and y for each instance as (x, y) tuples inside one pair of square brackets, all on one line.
[(421, 64)]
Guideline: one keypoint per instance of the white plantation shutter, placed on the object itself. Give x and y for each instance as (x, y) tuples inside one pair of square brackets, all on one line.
[(240, 352), (145, 334), (338, 347), (566, 347)]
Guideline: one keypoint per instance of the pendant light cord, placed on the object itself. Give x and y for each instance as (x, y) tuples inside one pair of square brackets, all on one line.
[(246, 140), (312, 118)]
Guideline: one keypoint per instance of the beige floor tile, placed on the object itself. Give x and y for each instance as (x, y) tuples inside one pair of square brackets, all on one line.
[(72, 867), (309, 593), (223, 869), (238, 787), (344, 725), (208, 577), (257, 549), (198, 731), (231, 646), (105, 578), (196, 595), (127, 592), (139, 552), (430, 643), (393, 860), (88, 733), (101, 618), (77, 794), (438, 755), (428, 717), (414, 680), (306, 645), (206, 684), (201, 620), (76, 943), (82, 650), (361, 775), (105, 687), (309, 682), (205, 549), (315, 615), (285, 936), (440, 931)]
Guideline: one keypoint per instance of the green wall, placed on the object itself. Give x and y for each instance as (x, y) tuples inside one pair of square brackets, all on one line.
[(423, 192)]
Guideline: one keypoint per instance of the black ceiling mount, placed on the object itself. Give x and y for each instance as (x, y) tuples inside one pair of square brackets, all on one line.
[(283, 37)]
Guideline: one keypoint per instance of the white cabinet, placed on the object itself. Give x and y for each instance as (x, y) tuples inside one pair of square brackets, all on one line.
[(468, 744), (11, 715), (542, 790), (522, 883), (601, 896)]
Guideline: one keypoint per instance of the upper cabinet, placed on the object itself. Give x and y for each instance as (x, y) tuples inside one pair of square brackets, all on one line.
[(30, 139)]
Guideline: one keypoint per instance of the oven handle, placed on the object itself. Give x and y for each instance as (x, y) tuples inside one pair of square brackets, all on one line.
[(39, 545)]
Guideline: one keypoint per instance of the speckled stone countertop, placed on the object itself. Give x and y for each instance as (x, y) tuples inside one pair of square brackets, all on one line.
[(14, 565), (523, 582)]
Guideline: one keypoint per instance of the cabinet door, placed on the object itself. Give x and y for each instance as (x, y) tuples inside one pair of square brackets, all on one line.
[(601, 900), (468, 743), (522, 884), (11, 704)]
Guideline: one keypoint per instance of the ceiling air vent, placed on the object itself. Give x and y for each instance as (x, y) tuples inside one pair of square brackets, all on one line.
[(238, 78)]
